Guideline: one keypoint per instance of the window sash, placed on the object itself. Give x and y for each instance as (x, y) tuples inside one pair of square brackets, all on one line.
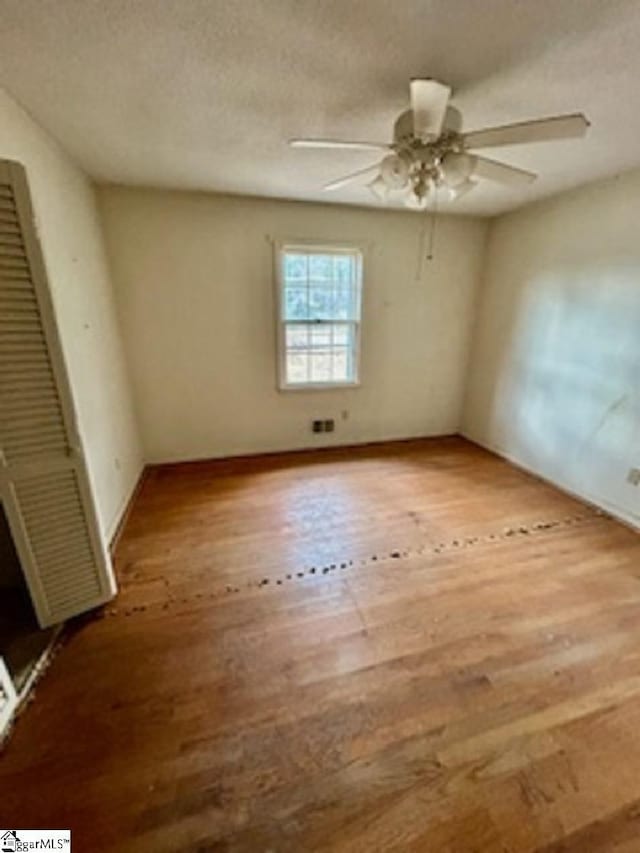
[(324, 361), (309, 284)]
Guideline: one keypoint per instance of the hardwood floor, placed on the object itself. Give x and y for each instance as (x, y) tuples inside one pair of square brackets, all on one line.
[(409, 647)]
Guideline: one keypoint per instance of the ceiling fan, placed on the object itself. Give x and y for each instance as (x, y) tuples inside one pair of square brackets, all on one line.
[(429, 150)]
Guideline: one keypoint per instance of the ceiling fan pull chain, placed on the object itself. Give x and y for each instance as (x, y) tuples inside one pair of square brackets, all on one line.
[(421, 246), (428, 223), (432, 224)]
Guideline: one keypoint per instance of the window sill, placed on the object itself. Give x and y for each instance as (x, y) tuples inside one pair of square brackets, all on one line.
[(320, 386)]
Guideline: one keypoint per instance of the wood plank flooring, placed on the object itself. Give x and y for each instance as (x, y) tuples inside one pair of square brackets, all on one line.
[(407, 647)]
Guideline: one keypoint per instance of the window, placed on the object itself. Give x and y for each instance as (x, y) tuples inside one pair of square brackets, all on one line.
[(319, 315)]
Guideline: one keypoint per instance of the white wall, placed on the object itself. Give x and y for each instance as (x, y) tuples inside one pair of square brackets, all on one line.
[(193, 275), (70, 232), (555, 378)]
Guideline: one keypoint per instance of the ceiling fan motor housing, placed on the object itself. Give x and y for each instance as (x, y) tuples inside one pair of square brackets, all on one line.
[(403, 127)]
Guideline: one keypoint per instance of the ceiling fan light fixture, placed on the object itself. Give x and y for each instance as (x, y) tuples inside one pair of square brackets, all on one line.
[(394, 171), (416, 202), (417, 197), (457, 168), (379, 189)]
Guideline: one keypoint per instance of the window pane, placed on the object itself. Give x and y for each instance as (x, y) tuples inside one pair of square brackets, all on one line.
[(296, 305), (321, 336), (321, 353), (343, 335), (344, 269), (341, 366), (321, 267), (297, 337), (297, 367), (345, 303), (320, 367), (295, 267), (321, 302)]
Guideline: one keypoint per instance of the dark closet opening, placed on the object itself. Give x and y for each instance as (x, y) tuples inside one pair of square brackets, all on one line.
[(22, 641)]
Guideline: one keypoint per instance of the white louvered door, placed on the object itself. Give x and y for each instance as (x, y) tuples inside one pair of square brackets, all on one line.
[(44, 483)]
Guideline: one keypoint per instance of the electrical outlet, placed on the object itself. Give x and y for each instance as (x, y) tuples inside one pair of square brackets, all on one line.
[(633, 476), (329, 425), (317, 426)]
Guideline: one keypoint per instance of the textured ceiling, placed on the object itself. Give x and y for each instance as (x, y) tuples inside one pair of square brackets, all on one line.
[(203, 94)]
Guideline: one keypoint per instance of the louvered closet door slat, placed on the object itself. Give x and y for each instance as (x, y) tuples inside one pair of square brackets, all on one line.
[(10, 280), (17, 390), (17, 308), (31, 420), (30, 358), (23, 437), (20, 394), (51, 510), (27, 421), (9, 232), (12, 248), (11, 242), (26, 338), (19, 303), (13, 345)]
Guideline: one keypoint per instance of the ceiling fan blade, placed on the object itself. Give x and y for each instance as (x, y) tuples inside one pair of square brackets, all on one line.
[(461, 189), (429, 101), (338, 144), (539, 130), (352, 178), (501, 172)]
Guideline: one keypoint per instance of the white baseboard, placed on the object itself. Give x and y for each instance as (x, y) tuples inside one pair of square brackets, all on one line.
[(599, 503), (315, 443), (117, 525)]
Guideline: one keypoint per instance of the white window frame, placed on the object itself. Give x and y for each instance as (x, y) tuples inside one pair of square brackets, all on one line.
[(281, 247)]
